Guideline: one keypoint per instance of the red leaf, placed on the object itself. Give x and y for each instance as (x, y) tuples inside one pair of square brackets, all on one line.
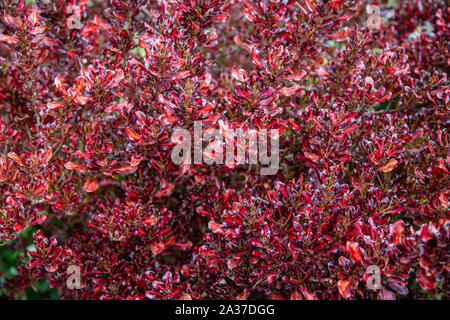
[(385, 97), (132, 134), (389, 166), (100, 23), (340, 35), (8, 39), (39, 220), (242, 296), (40, 189), (91, 185), (344, 287), (202, 211), (296, 76), (296, 295), (117, 78), (157, 248), (256, 59), (310, 6), (354, 251), (39, 29), (58, 84), (425, 282), (350, 129), (47, 156), (20, 195), (183, 245), (249, 15), (289, 91), (16, 158), (33, 17), (215, 227), (134, 162), (10, 21), (74, 166), (82, 100), (167, 191), (125, 169), (54, 105), (233, 263), (308, 295), (312, 156), (239, 74), (397, 230), (150, 221), (141, 116)]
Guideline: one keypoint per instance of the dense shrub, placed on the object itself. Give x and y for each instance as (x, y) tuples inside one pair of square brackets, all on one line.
[(90, 96)]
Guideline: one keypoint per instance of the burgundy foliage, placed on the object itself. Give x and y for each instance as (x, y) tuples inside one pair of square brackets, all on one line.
[(87, 114)]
